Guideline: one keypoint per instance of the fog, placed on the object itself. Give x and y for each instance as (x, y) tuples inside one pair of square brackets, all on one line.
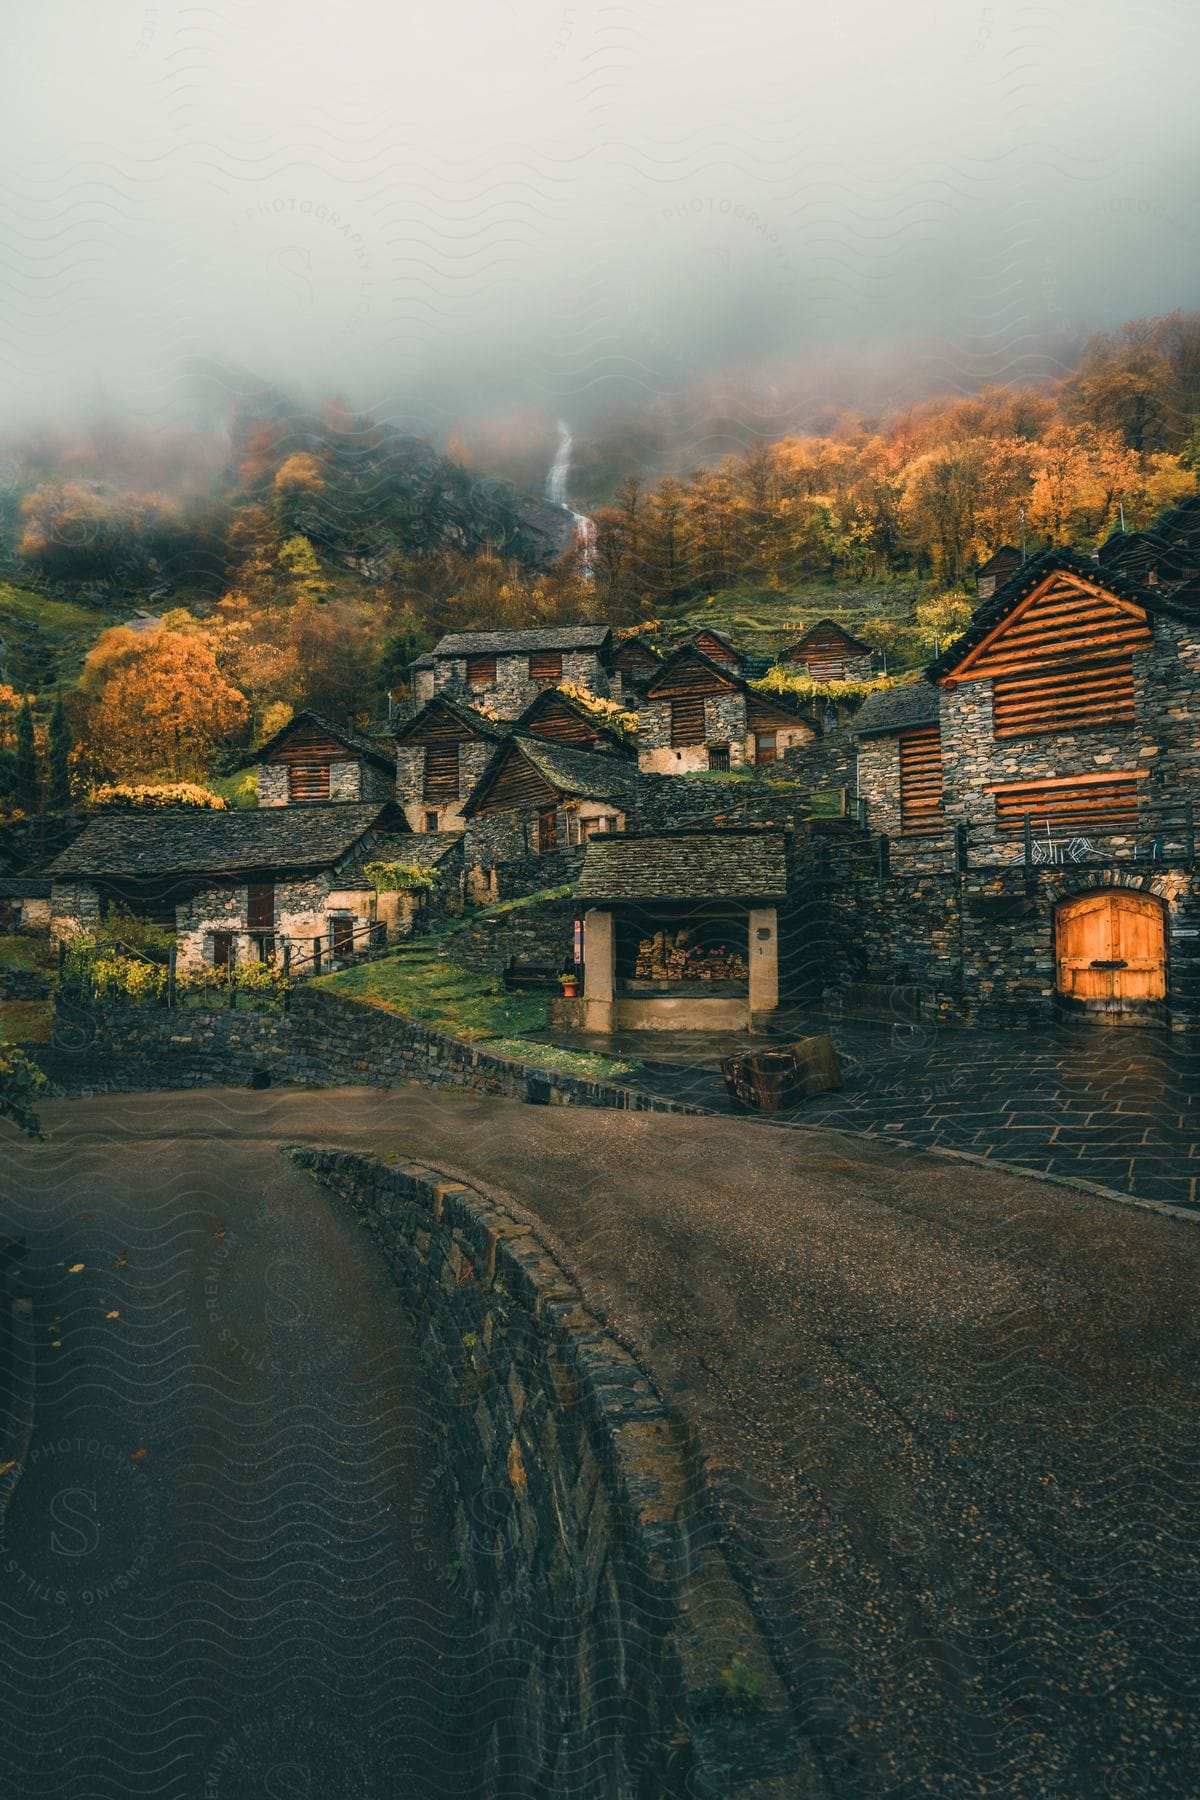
[(526, 207)]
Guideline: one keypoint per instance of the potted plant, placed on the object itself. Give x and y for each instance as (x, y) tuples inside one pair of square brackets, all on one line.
[(569, 982)]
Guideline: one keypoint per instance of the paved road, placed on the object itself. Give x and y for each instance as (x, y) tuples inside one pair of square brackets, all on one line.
[(958, 1410), (1117, 1108), (221, 1573)]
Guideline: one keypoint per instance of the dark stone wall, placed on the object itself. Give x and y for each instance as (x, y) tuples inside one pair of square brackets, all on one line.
[(543, 932), (578, 1513)]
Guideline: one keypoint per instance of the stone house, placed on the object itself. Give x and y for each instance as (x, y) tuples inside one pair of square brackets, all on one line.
[(634, 662), (717, 647), (25, 903), (562, 718), (681, 930), (233, 886), (440, 755), (313, 759), (695, 714), (831, 654), (1044, 772), (504, 671), (536, 805)]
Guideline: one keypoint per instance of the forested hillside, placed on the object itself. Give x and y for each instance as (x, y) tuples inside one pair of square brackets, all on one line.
[(182, 592)]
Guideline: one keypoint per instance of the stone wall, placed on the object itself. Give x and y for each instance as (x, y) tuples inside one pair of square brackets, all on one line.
[(502, 860), (350, 779), (543, 932), (724, 723), (320, 1039), (473, 758), (580, 1520), (980, 946), (512, 691)]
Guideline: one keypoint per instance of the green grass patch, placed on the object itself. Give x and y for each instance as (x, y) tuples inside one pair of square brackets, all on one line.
[(239, 790), (21, 606), (26, 1021), (18, 952), (565, 1062), (501, 908), (462, 1002)]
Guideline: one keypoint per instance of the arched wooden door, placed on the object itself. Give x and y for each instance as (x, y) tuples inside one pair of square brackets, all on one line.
[(1111, 949)]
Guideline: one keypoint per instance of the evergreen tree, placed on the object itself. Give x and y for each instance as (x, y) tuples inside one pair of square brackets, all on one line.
[(27, 762), (60, 753)]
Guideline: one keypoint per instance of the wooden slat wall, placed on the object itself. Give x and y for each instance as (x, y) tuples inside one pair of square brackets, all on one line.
[(545, 665), (1063, 622), (441, 727), (1069, 805), (481, 670), (713, 648), (921, 780), (441, 772), (518, 784), (556, 721), (306, 745), (762, 716), (826, 653), (687, 719), (1097, 693), (308, 781), (689, 678)]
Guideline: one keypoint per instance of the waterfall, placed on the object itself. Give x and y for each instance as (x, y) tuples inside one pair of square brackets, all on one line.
[(556, 494)]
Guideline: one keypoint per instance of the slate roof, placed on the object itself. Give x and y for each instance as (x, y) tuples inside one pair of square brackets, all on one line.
[(24, 887), (1000, 559), (897, 709), (1023, 582), (686, 865), (581, 774), (190, 841), (424, 848), (515, 643), (341, 734), (467, 715)]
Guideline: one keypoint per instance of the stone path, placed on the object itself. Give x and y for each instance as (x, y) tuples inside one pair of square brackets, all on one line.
[(951, 1416), (1114, 1107)]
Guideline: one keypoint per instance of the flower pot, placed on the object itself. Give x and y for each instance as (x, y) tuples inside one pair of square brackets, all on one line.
[(570, 990)]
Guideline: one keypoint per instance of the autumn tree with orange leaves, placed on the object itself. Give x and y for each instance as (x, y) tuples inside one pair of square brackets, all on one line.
[(156, 703)]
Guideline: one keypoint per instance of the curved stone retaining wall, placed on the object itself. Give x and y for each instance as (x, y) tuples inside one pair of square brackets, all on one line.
[(620, 1660)]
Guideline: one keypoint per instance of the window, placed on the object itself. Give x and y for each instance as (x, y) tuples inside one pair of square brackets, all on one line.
[(264, 946), (481, 671), (222, 951), (921, 780), (765, 747), (308, 781), (599, 827), (687, 719), (545, 665), (1096, 694), (430, 821), (547, 830), (341, 934), (260, 906), (718, 756), (441, 772)]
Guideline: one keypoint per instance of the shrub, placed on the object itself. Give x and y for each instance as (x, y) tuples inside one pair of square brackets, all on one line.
[(400, 877), (739, 1690), (21, 1081), (155, 793)]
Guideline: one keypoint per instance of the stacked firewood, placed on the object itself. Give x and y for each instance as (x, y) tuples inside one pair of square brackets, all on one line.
[(670, 956)]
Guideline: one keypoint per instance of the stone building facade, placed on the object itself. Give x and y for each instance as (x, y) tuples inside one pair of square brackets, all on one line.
[(441, 755), (1030, 807), (313, 759), (503, 671), (695, 714)]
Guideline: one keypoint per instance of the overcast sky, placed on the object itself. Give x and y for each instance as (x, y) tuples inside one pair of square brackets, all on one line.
[(471, 205)]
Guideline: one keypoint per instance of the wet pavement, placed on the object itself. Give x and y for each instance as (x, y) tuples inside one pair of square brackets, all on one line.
[(223, 1571), (1118, 1108)]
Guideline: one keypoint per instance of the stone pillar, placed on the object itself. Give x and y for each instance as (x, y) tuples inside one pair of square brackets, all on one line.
[(764, 960), (599, 969)]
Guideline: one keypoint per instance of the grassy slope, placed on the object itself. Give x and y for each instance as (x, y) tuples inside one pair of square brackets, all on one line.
[(462, 1002), (761, 621), (46, 640), (25, 1021)]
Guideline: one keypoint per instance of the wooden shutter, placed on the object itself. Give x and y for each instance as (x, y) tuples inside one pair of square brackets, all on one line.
[(547, 830), (718, 756), (260, 906), (1099, 693), (1103, 802), (921, 780), (545, 665), (712, 647), (481, 671), (308, 781), (441, 772), (687, 719), (766, 747)]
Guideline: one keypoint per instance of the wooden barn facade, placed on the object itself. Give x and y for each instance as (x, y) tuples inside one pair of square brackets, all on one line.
[(696, 714), (830, 653), (440, 755)]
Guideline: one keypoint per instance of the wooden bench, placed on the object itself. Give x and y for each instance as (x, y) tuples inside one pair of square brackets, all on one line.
[(531, 974)]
